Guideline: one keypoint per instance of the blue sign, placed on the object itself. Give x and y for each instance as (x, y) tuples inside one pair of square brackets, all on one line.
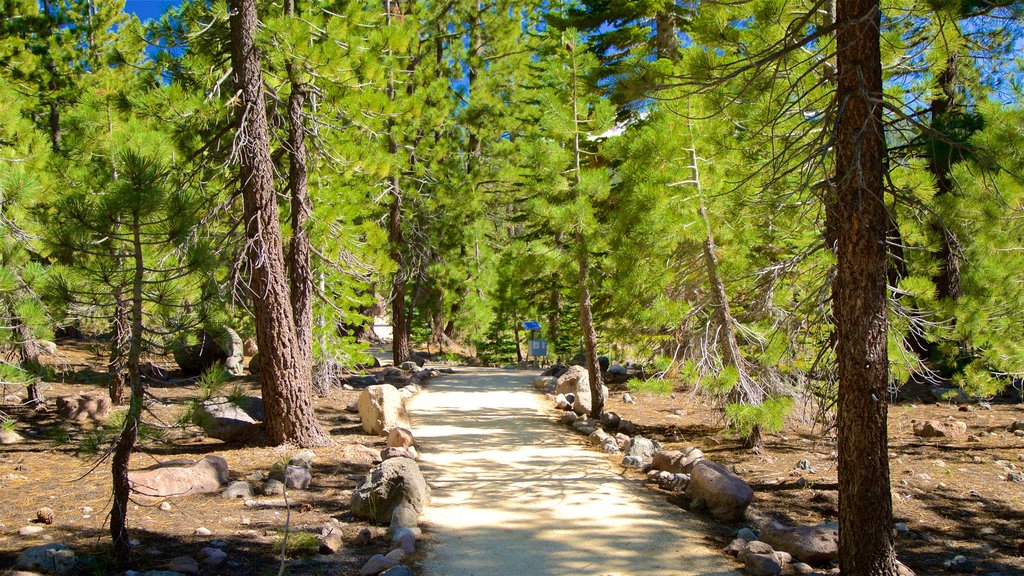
[(531, 325), (538, 348)]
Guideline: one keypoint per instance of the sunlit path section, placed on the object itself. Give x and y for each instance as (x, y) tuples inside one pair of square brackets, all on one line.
[(514, 495)]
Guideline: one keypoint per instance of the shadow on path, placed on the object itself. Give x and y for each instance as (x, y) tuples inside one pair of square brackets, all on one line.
[(514, 496)]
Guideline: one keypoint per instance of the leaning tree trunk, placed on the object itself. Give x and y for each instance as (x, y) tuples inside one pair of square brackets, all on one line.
[(598, 396), (857, 214), (284, 377), (301, 275)]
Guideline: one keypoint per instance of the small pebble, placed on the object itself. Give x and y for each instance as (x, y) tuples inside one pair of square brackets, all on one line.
[(165, 506), (202, 531)]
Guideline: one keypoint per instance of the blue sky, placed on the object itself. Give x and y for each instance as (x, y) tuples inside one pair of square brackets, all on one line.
[(147, 9)]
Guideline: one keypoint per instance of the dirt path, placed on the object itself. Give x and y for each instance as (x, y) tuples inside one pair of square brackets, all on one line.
[(515, 495)]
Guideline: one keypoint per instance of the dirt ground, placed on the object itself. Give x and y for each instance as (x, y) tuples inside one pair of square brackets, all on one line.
[(953, 495), (49, 470)]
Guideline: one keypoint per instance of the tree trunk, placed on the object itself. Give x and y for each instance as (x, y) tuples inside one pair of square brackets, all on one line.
[(284, 377), (857, 214), (597, 392), (299, 247), (130, 432), (666, 38), (120, 343), (28, 350), (400, 351), (947, 281)]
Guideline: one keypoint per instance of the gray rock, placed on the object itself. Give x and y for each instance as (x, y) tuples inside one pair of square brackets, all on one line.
[(599, 437), (584, 427), (725, 494), (631, 462), (959, 564), (617, 370), (381, 408), (735, 547), (331, 540), (212, 557), (568, 418), (676, 461), (30, 530), (582, 400), (400, 570), (562, 403), (180, 477), (641, 448), (377, 564), (405, 539), (747, 535), (224, 420), (762, 565), (611, 446), (216, 345), (294, 477), (303, 459), (404, 516), (184, 564), (954, 395), (408, 366), (545, 383), (409, 452), (801, 568), (273, 487), (55, 558), (1018, 425), (388, 485), (815, 545), (240, 489), (610, 420), (627, 427), (627, 398)]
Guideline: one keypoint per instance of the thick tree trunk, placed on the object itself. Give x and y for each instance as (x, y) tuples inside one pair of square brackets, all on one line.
[(284, 377), (120, 344), (666, 36), (857, 214), (554, 317), (400, 350)]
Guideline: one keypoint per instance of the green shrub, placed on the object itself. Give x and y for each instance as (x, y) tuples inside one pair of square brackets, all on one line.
[(769, 415), (651, 386), (211, 382), (978, 382), (298, 543)]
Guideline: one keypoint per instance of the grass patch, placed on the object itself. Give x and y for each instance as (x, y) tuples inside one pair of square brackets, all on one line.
[(652, 386), (299, 543)]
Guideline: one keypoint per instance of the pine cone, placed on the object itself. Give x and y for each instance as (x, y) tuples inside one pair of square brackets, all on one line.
[(45, 515)]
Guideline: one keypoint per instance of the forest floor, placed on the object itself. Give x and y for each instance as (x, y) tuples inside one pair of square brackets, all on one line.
[(953, 495)]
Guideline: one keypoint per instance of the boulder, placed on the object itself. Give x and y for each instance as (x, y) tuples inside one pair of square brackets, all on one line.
[(815, 545), (381, 409), (399, 437), (184, 564), (47, 347), (55, 558), (641, 448), (725, 494), (940, 429), (332, 540), (762, 565), (581, 403), (377, 564), (545, 383), (254, 364), (555, 370), (408, 366), (87, 406), (617, 370), (603, 363), (567, 382), (224, 420), (610, 420), (1017, 425), (562, 403), (676, 461), (386, 487), (240, 489), (599, 437), (180, 477), (954, 395), (222, 345)]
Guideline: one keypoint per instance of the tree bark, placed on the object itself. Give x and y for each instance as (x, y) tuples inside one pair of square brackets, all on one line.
[(400, 349), (947, 281), (666, 32), (284, 378), (301, 275), (129, 433), (120, 342), (598, 397), (28, 350), (857, 214)]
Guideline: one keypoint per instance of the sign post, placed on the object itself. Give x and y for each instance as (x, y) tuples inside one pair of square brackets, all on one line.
[(538, 348)]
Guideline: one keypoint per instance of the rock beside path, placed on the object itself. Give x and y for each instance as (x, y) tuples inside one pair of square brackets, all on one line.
[(725, 494), (381, 408), (88, 406), (815, 545), (387, 486), (180, 477), (225, 420)]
